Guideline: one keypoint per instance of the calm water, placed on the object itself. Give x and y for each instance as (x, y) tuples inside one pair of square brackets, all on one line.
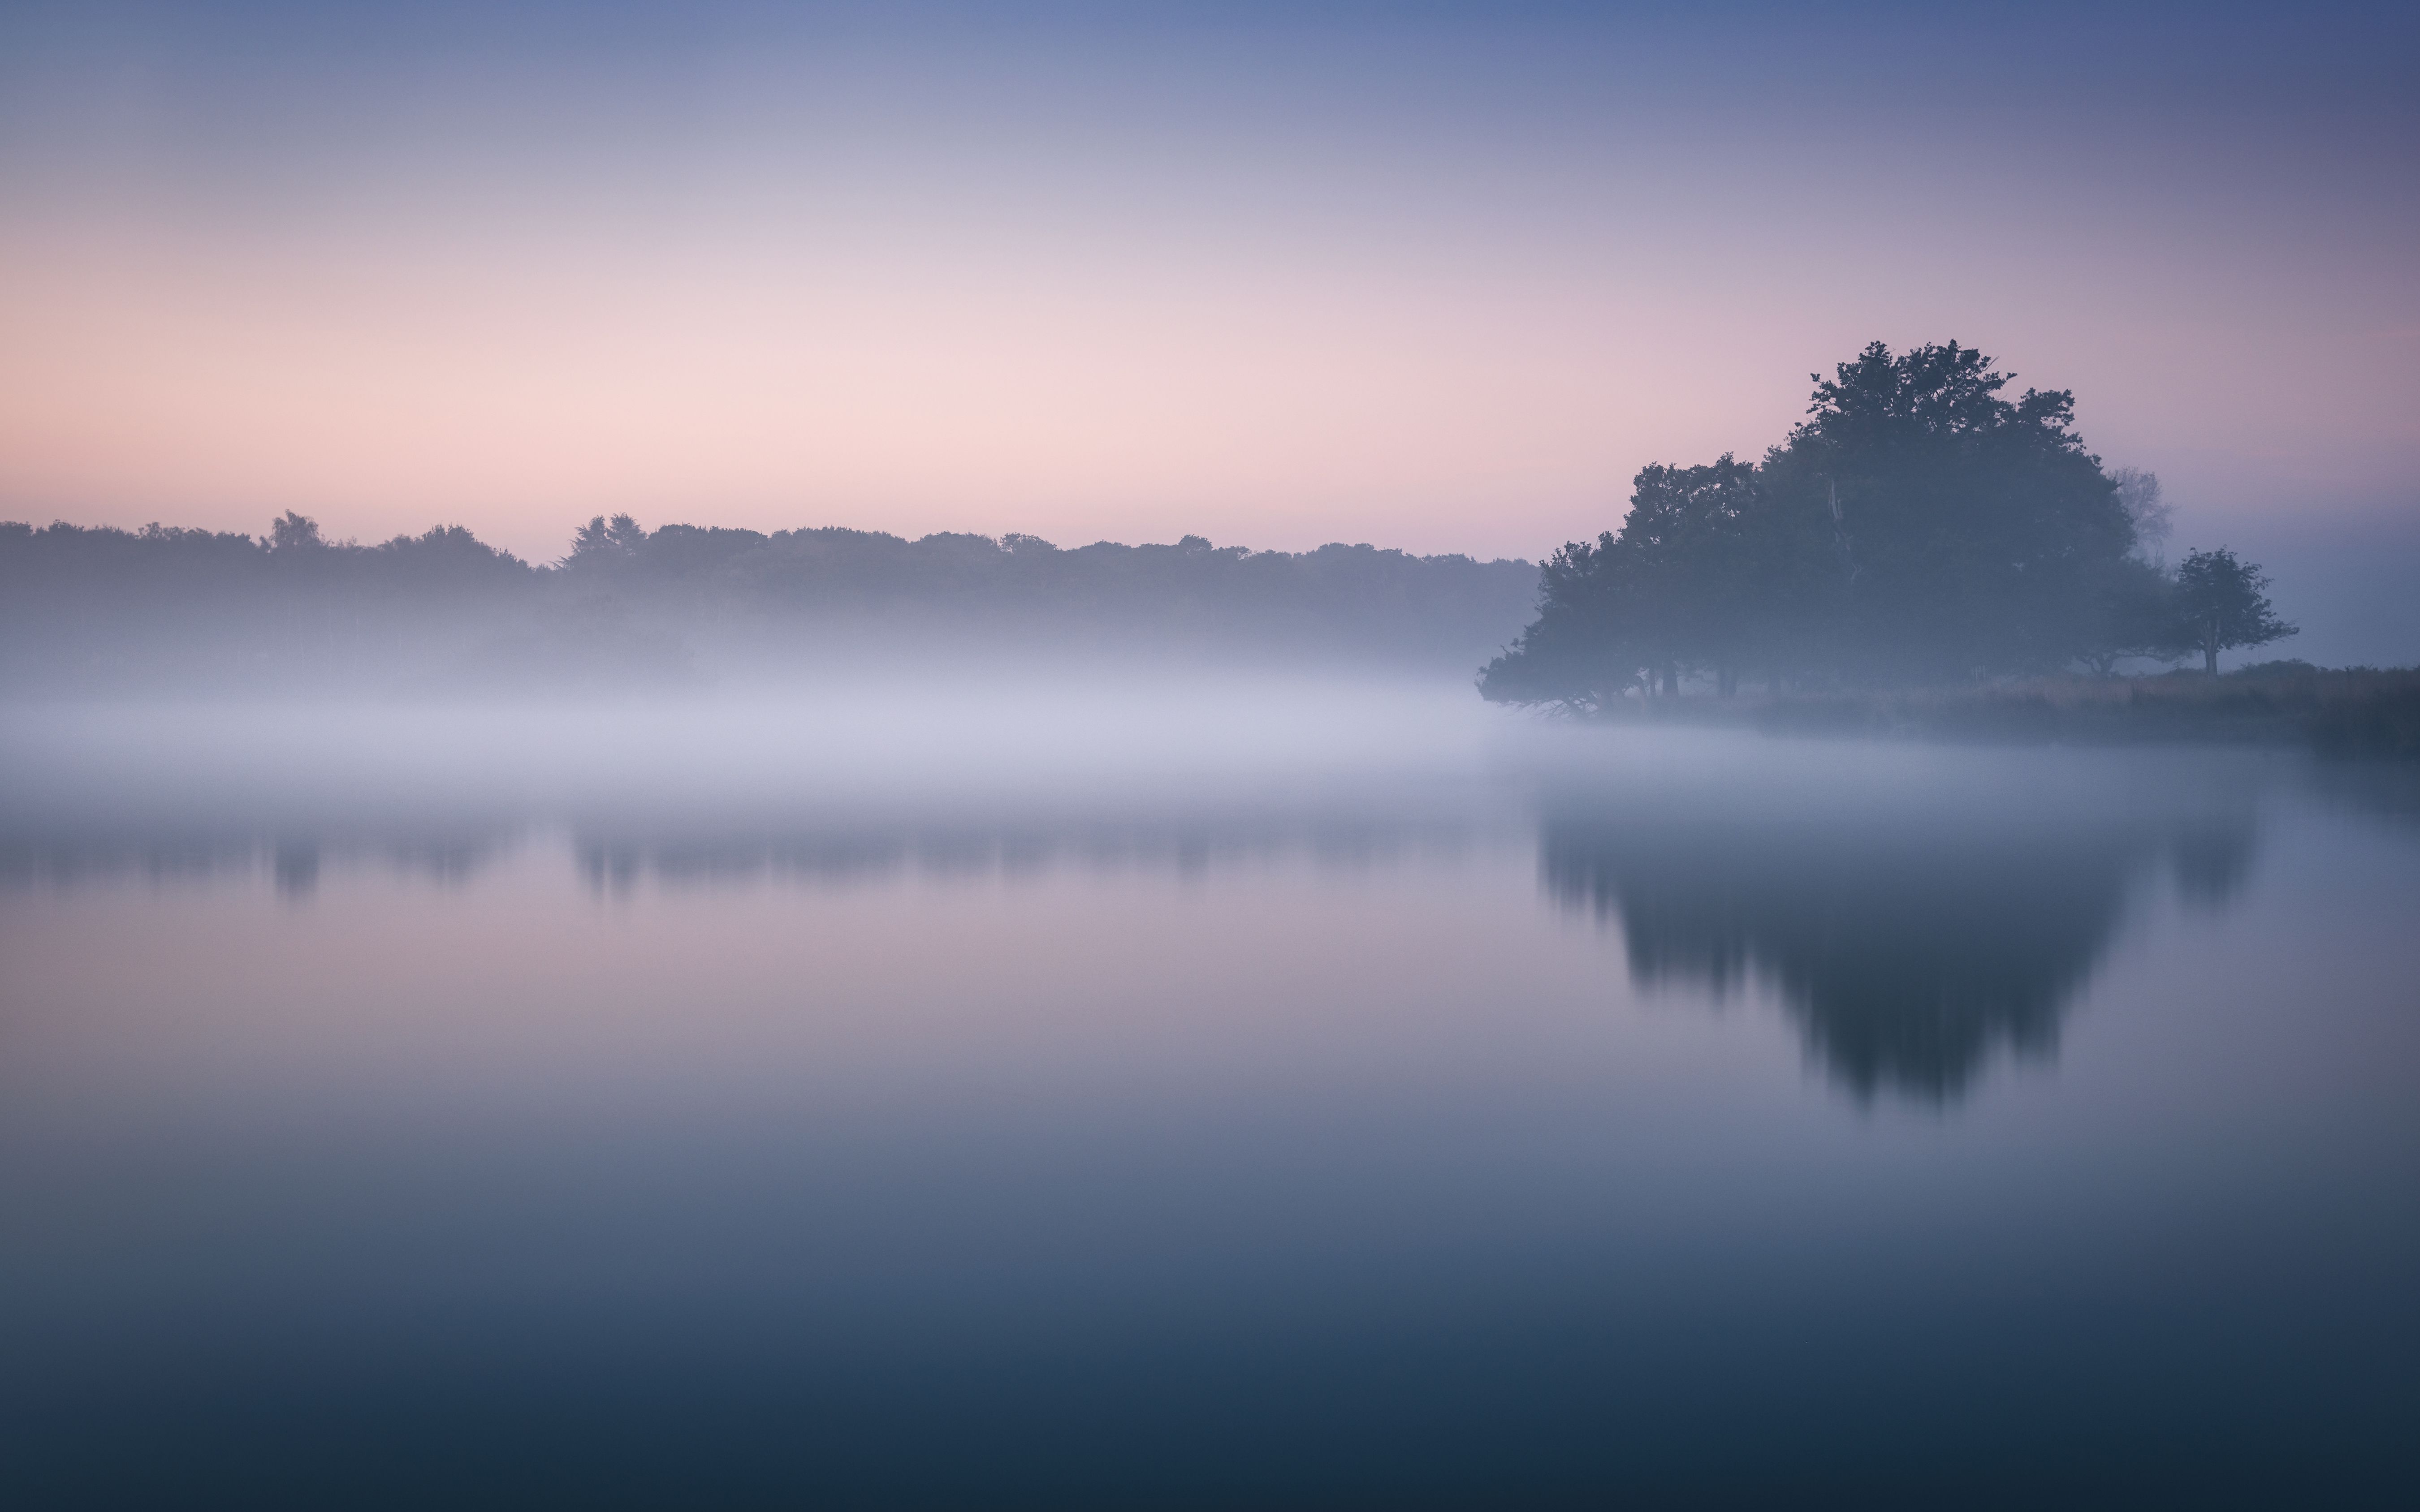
[(1306, 1099)]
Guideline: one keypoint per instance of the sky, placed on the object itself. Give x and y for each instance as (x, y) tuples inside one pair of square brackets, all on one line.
[(1428, 276)]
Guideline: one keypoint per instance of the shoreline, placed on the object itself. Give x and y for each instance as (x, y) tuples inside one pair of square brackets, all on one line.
[(2362, 713)]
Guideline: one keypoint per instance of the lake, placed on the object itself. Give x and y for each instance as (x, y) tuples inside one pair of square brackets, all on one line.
[(1244, 1095)]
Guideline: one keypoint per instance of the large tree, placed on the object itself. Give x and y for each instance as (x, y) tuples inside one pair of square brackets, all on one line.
[(1918, 526), (1969, 528)]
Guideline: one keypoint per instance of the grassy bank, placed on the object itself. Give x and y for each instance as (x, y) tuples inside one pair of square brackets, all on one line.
[(2351, 713)]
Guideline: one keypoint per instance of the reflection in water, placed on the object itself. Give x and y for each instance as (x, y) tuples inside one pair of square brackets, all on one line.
[(293, 859), (2387, 791), (1914, 925), (613, 858), (1254, 1140), (2212, 861), (1910, 939)]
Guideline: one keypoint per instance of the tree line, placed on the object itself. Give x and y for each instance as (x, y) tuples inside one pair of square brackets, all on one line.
[(168, 606), (1917, 527)]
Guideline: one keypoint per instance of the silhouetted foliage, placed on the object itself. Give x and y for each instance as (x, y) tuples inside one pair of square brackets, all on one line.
[(95, 607), (627, 607), (1916, 528), (2222, 604), (2147, 508)]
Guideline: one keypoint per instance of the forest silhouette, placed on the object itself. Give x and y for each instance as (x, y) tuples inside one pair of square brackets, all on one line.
[(629, 608)]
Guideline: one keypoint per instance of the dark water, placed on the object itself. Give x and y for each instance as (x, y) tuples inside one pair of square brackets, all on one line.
[(1373, 1105)]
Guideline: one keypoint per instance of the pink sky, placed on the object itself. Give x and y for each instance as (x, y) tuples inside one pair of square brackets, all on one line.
[(1115, 321)]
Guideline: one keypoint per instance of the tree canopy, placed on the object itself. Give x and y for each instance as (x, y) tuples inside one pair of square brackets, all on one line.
[(2222, 604), (1918, 526)]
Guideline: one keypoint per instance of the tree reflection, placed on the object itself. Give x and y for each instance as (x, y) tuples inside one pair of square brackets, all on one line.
[(293, 859), (1911, 940), (614, 858)]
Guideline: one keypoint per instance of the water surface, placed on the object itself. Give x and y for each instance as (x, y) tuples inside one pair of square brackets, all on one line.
[(1242, 1097)]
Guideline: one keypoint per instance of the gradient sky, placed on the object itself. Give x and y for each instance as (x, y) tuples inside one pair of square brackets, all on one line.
[(1428, 276)]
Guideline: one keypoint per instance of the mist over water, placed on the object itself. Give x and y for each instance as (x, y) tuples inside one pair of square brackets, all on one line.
[(1215, 1092), (805, 755)]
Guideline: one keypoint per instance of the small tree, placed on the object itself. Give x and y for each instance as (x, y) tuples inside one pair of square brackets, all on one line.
[(601, 541), (2223, 604), (2139, 494), (295, 533)]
